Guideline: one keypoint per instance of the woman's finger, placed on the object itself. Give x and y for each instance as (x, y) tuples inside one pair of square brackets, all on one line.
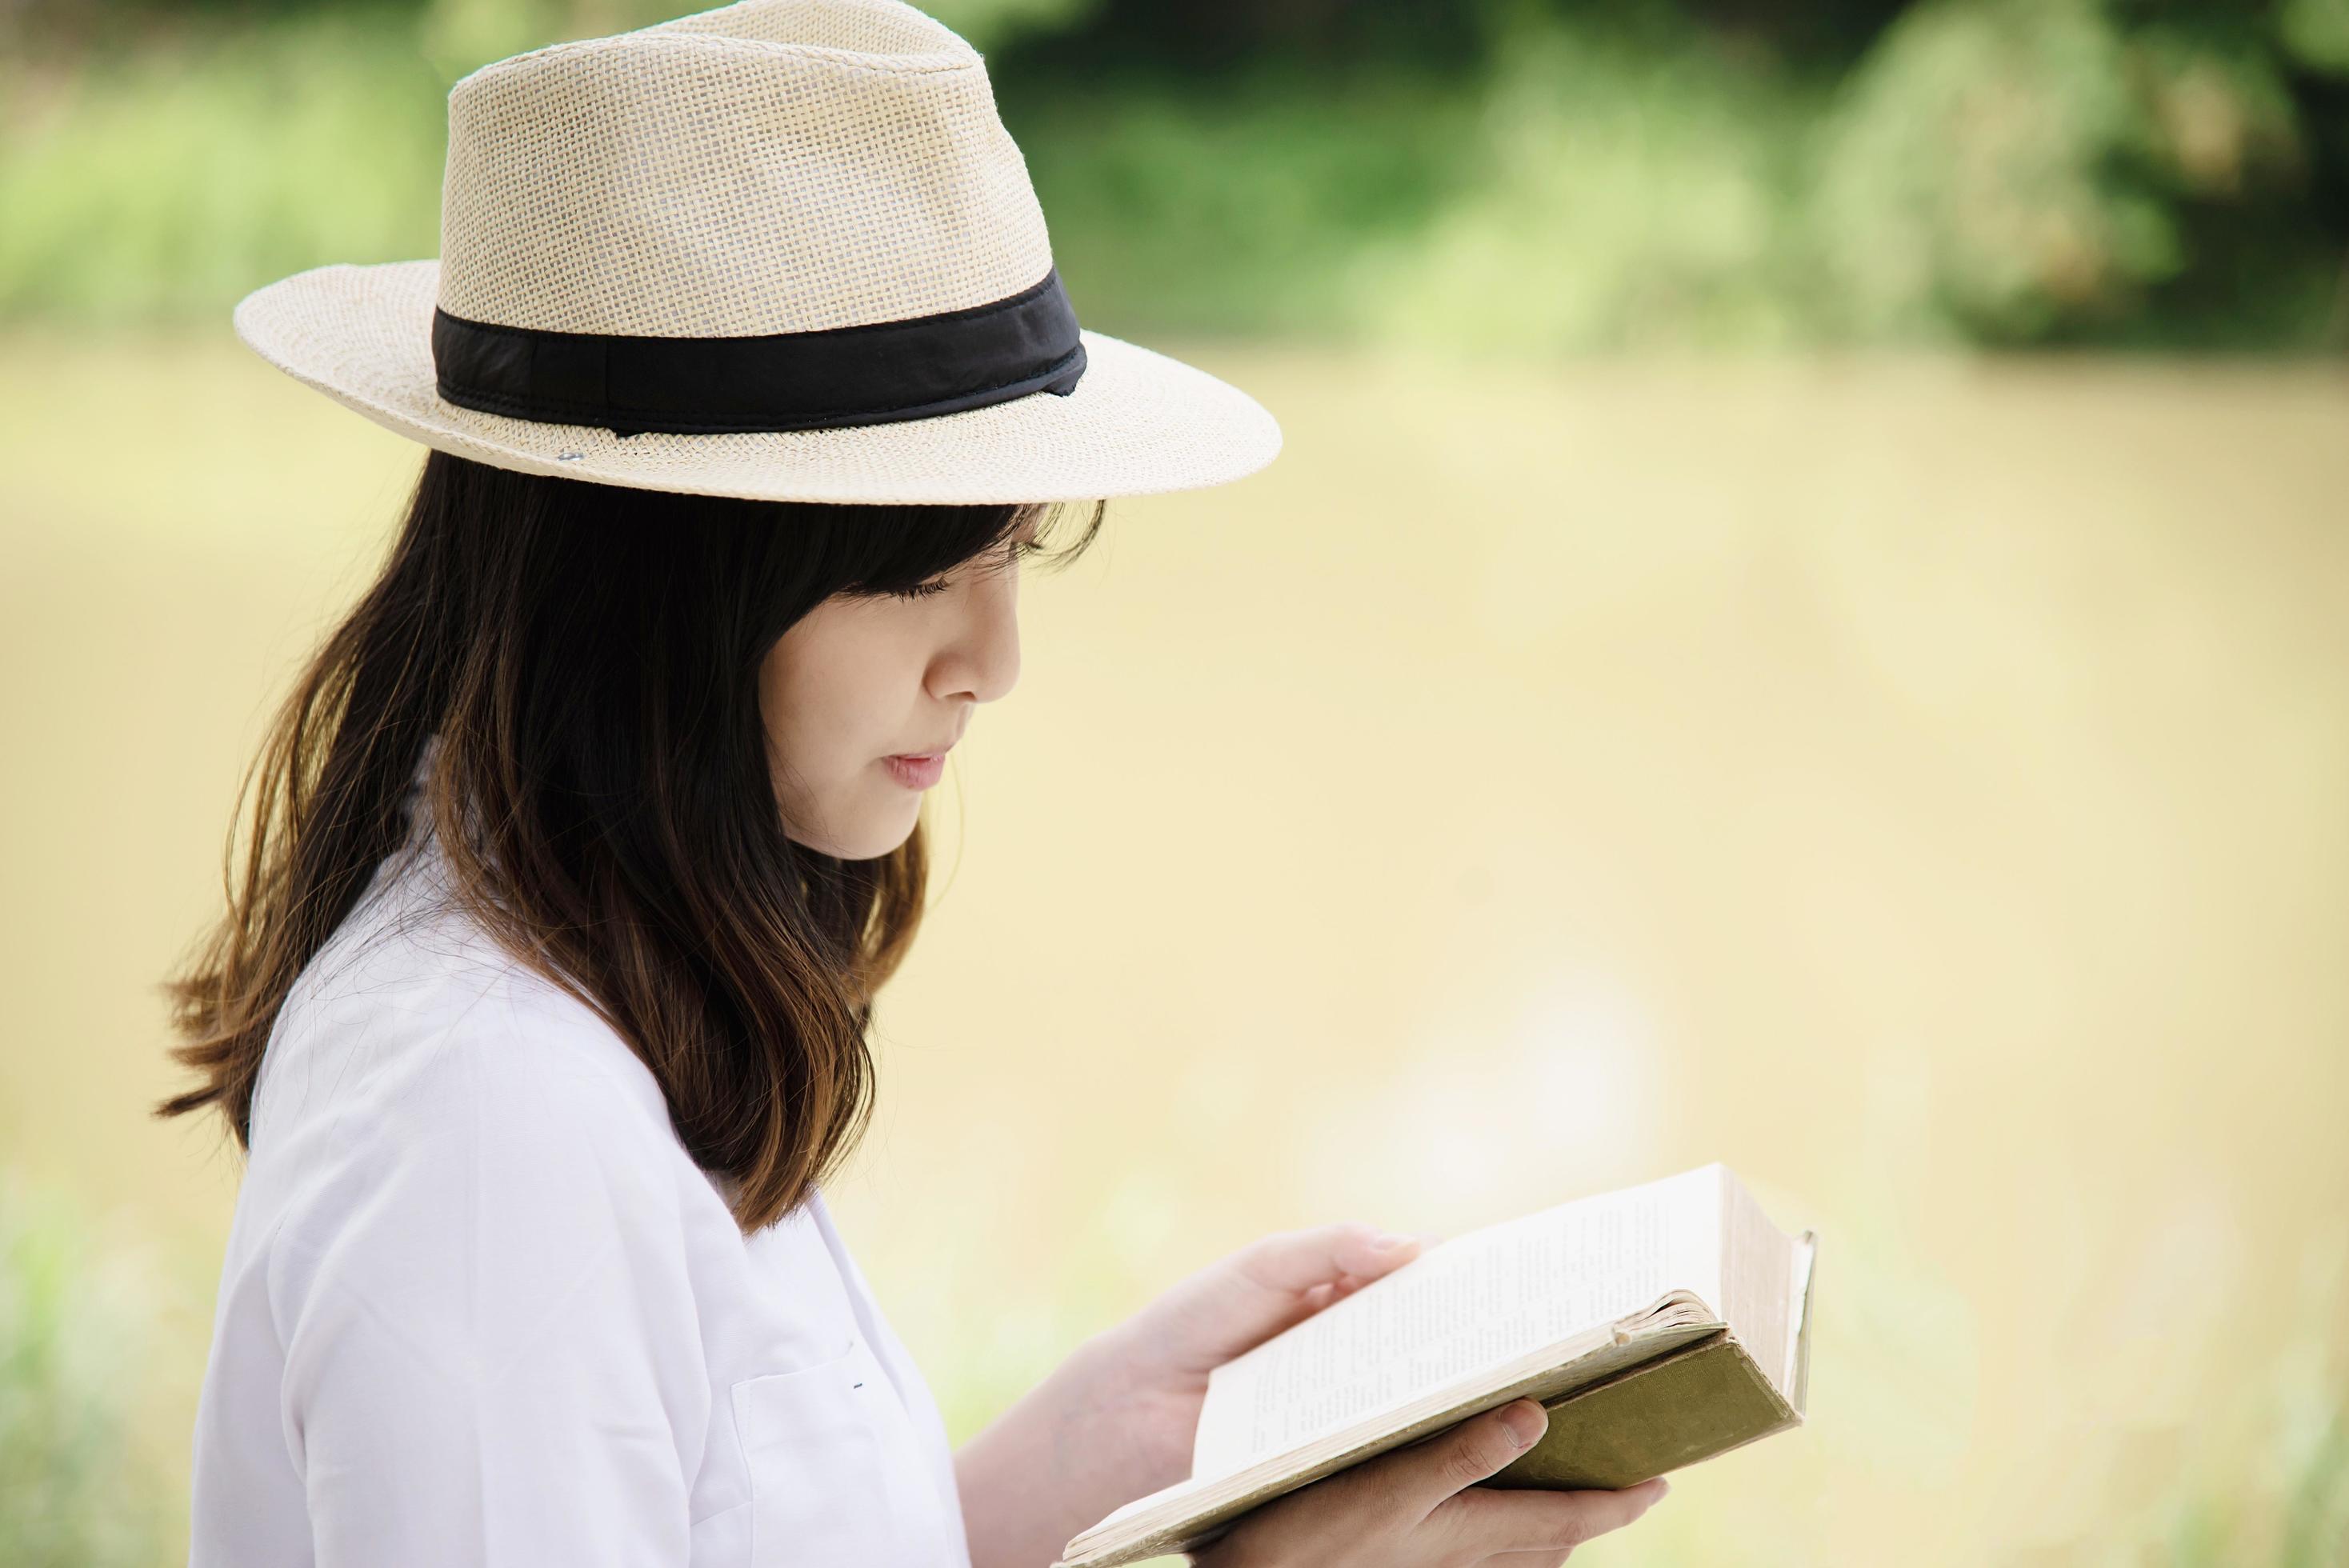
[(1429, 1473), (1244, 1297), (1491, 1520), (1296, 1260)]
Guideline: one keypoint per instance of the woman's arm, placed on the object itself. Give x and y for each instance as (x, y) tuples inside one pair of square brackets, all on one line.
[(491, 1349), (1074, 1447)]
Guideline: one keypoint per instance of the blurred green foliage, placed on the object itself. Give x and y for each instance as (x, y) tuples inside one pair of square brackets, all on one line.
[(2306, 1459), (74, 1322), (1577, 177), (1501, 175)]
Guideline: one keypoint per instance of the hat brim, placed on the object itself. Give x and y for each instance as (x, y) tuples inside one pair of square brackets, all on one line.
[(1138, 423)]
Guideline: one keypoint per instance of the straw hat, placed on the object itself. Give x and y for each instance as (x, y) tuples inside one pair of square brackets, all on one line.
[(784, 248)]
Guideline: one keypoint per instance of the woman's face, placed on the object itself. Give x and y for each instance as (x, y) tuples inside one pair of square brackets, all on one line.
[(857, 682)]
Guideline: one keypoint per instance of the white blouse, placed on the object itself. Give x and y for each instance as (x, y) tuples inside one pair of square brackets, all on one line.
[(480, 1306)]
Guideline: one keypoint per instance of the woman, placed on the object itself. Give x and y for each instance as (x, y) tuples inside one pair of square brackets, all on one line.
[(578, 854)]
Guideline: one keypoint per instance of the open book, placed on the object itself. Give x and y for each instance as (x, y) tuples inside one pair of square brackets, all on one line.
[(1659, 1326)]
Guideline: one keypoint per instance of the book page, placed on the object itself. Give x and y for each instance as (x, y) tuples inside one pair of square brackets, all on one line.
[(1757, 1264), (1468, 1304), (1141, 1505)]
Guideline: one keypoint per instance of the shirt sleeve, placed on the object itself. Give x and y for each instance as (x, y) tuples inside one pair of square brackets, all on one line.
[(492, 1355)]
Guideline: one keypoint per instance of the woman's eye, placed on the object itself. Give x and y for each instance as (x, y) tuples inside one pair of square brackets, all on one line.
[(921, 590)]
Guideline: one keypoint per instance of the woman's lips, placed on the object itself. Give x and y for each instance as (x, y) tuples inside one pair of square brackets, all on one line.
[(918, 772)]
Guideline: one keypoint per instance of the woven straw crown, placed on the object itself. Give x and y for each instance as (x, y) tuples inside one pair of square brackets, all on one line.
[(819, 165), (805, 214)]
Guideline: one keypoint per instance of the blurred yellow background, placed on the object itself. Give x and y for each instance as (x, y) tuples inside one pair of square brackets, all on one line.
[(1919, 783), (1803, 620)]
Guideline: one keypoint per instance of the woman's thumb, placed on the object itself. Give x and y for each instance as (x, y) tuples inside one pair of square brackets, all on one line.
[(1478, 1447)]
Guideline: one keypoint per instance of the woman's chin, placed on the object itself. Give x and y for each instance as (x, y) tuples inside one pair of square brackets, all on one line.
[(880, 828), (886, 835)]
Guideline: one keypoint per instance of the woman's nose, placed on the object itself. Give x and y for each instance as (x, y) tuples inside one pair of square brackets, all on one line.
[(983, 662)]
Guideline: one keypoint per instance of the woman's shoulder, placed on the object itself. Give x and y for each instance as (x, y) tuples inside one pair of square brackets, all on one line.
[(460, 1177), (413, 1031)]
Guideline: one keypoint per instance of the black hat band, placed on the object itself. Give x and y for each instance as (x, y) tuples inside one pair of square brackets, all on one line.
[(873, 373)]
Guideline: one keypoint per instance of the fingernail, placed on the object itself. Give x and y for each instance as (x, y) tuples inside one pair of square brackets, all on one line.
[(1387, 1241), (1525, 1421)]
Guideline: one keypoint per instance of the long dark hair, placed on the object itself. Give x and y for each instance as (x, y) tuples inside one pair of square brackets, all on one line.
[(588, 657)]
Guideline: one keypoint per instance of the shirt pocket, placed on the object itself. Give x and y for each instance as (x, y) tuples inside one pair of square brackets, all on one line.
[(836, 1477)]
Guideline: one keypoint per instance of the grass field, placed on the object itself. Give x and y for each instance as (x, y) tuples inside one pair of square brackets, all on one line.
[(1921, 784)]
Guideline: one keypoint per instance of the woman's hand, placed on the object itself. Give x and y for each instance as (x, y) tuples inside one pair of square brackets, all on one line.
[(1419, 1506), (1161, 1356), (1116, 1420)]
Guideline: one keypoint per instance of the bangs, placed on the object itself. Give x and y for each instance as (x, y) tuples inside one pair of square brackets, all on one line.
[(874, 550)]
